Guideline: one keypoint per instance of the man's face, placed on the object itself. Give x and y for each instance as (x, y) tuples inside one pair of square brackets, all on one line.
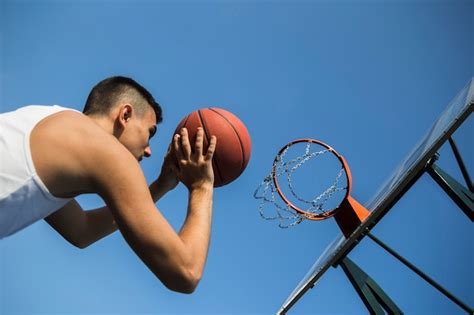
[(137, 134)]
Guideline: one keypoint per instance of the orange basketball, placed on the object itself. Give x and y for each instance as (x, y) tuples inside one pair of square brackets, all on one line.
[(233, 141)]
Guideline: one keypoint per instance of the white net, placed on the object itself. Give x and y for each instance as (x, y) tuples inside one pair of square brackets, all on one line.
[(285, 166)]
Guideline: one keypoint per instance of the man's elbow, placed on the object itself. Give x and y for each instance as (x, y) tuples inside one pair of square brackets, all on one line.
[(186, 283), (81, 245), (77, 241)]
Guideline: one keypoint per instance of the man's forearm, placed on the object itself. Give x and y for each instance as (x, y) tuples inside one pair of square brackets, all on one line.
[(196, 229), (158, 190), (101, 223)]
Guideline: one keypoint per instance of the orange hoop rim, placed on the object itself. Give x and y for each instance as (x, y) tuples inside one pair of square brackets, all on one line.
[(310, 215)]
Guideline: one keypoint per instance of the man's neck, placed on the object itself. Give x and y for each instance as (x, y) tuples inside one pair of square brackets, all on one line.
[(103, 122)]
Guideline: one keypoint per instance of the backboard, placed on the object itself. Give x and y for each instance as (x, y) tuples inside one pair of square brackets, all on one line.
[(394, 188)]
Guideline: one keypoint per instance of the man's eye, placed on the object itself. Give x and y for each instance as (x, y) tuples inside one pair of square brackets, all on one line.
[(152, 132)]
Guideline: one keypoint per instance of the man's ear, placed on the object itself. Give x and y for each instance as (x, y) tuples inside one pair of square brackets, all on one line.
[(126, 112)]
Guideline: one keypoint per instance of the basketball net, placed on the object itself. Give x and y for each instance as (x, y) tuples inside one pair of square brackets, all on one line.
[(290, 209), (283, 168)]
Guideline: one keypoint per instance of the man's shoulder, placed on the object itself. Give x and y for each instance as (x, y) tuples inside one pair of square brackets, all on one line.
[(68, 127), (68, 114), (70, 150), (77, 134), (67, 123)]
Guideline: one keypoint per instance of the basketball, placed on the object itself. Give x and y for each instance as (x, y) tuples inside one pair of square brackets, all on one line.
[(233, 141)]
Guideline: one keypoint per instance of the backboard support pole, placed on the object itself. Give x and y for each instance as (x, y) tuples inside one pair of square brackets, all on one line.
[(460, 161), (422, 274), (463, 197), (374, 298)]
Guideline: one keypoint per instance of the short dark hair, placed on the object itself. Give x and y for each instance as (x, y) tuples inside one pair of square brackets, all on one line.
[(105, 95)]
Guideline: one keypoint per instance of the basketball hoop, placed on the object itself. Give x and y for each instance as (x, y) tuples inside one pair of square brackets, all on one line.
[(292, 208)]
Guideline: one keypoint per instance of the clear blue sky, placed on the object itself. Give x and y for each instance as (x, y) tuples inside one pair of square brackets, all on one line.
[(367, 77)]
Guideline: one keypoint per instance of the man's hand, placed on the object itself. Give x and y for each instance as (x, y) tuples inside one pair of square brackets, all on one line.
[(194, 169), (168, 178)]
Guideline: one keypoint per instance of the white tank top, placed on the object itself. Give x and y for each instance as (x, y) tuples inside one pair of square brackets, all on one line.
[(24, 199)]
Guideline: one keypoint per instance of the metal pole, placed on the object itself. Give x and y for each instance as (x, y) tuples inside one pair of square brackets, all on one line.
[(421, 274), (463, 168)]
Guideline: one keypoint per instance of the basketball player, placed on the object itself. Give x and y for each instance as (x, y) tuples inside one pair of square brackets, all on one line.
[(50, 154)]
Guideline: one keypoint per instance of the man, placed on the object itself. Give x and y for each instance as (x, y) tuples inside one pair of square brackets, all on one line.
[(50, 154)]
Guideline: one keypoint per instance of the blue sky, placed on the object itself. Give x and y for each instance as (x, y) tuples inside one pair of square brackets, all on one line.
[(367, 77)]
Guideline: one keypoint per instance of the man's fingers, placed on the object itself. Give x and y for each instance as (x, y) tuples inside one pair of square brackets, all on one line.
[(199, 141), (176, 147), (171, 152), (185, 145), (182, 147), (171, 156), (211, 149)]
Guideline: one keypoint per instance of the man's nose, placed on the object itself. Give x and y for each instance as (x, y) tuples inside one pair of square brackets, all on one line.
[(147, 152)]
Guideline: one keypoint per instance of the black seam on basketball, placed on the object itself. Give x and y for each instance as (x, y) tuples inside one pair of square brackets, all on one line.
[(238, 137), (206, 133), (186, 120)]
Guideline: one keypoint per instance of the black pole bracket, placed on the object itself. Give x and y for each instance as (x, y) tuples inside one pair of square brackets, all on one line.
[(374, 298), (462, 196)]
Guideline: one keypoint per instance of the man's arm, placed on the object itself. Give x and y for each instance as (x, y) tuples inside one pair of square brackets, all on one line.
[(93, 161), (176, 259), (161, 186), (84, 228)]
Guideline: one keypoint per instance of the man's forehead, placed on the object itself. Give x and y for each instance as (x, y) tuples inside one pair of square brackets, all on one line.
[(150, 116), (151, 111)]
